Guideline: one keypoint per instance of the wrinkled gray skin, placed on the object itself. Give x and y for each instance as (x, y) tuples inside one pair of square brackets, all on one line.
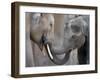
[(62, 36), (69, 37)]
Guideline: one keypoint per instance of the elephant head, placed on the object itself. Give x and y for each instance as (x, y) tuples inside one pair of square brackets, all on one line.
[(56, 35), (42, 26)]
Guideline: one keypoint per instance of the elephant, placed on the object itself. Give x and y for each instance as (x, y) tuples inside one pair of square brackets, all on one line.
[(34, 31), (58, 36), (72, 38)]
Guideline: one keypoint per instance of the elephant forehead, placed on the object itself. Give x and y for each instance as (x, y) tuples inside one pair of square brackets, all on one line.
[(51, 19)]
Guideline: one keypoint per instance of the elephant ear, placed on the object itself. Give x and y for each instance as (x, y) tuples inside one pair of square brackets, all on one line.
[(35, 18), (86, 28)]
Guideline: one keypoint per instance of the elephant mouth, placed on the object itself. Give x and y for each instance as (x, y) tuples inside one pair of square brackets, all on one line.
[(54, 55)]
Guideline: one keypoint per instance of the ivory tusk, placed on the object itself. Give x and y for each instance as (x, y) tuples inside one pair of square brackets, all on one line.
[(49, 52)]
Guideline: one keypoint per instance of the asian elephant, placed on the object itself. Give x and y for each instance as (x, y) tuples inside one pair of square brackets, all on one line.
[(57, 35)]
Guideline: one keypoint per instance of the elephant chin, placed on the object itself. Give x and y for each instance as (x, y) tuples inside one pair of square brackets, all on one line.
[(53, 55)]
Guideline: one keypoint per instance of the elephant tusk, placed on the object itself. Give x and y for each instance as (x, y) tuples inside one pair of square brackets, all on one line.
[(49, 51)]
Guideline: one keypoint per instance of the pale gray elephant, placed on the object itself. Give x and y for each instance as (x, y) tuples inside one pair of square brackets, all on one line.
[(37, 26), (57, 36)]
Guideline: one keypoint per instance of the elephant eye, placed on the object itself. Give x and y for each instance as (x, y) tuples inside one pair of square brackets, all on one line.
[(51, 25), (75, 28)]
